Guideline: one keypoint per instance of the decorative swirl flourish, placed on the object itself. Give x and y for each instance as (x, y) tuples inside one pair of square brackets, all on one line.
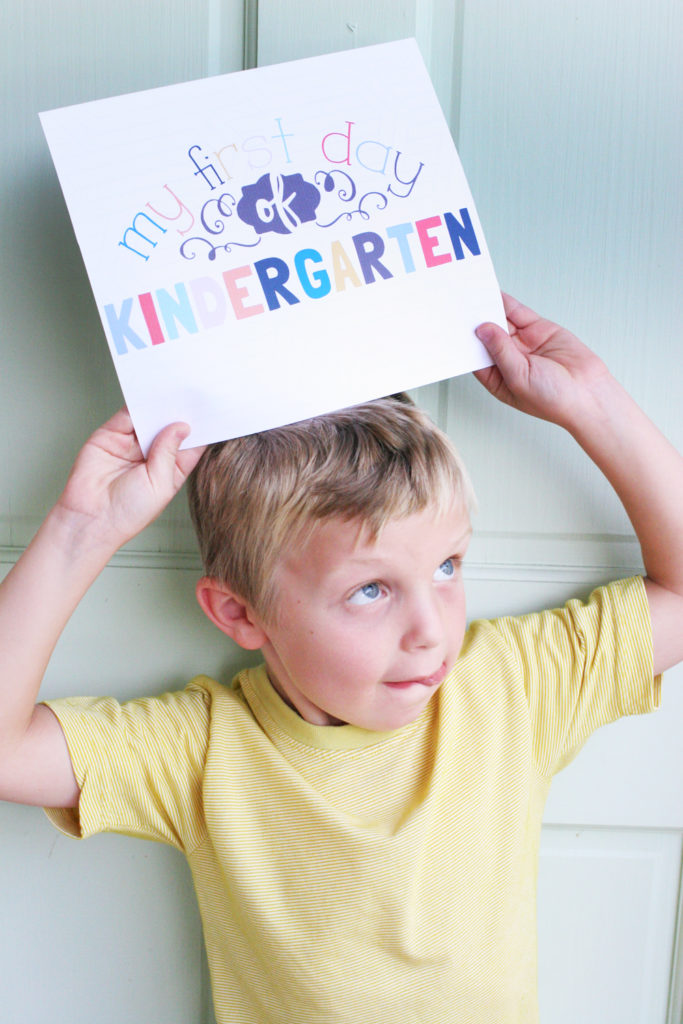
[(381, 202), (184, 247), (213, 249), (218, 225), (328, 184)]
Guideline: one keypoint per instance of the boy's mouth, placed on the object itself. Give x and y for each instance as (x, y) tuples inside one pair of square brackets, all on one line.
[(435, 679)]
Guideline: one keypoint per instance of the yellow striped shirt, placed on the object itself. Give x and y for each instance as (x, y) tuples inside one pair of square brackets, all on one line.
[(358, 877)]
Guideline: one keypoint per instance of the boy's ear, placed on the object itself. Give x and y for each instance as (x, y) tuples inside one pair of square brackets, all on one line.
[(230, 613)]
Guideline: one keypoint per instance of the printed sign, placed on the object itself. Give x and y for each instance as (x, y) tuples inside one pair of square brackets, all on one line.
[(273, 244)]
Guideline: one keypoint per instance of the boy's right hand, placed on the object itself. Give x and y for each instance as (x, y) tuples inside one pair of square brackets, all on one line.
[(113, 492)]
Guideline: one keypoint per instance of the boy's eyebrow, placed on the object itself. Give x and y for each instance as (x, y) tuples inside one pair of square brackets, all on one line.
[(368, 558)]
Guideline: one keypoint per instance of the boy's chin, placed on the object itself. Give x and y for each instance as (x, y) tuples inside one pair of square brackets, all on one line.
[(396, 717)]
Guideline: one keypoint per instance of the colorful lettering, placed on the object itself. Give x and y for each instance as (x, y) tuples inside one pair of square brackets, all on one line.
[(400, 232), (342, 135), (273, 284), (204, 168), (176, 310), (206, 301), (133, 229), (410, 181), (369, 248), (322, 287), (121, 331), (219, 156), (368, 167), (284, 137), (429, 242), (151, 319), (238, 294), (267, 159), (342, 268), (462, 233), (209, 302), (181, 207)]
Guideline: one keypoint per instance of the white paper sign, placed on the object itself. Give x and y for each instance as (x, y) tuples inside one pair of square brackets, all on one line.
[(273, 244)]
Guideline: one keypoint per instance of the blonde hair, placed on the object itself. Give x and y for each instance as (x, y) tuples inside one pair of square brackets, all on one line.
[(252, 497)]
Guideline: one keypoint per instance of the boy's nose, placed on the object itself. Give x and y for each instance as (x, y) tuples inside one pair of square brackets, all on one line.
[(422, 627)]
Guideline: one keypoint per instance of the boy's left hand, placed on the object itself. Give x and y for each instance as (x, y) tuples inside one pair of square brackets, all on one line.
[(539, 368), (544, 370)]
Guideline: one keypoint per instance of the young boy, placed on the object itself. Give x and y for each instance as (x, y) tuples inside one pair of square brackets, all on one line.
[(361, 814)]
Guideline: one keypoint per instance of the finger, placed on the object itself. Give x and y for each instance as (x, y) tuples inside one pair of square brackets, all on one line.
[(117, 437), (163, 454), (490, 378), (120, 422), (166, 462), (187, 459), (493, 338), (517, 313), (505, 352)]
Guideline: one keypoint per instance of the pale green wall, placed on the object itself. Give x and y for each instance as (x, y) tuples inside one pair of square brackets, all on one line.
[(571, 133), (108, 931), (568, 122)]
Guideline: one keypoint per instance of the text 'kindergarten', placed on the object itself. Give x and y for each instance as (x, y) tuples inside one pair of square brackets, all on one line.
[(207, 302)]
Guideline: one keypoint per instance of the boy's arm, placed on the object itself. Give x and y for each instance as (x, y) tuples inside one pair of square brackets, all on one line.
[(111, 495), (543, 370)]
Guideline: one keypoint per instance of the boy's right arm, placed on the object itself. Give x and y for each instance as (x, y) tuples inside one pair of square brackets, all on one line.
[(111, 495)]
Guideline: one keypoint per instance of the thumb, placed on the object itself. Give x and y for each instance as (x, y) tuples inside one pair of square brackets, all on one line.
[(162, 458), (505, 352), (493, 338)]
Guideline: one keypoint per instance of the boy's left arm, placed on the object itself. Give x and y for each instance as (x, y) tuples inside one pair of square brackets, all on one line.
[(544, 370)]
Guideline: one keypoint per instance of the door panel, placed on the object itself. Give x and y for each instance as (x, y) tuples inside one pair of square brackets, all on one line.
[(567, 122)]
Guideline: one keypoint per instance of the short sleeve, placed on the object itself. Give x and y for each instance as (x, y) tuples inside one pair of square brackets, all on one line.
[(139, 765), (583, 666)]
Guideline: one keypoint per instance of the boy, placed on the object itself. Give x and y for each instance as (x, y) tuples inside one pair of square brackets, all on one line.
[(361, 815)]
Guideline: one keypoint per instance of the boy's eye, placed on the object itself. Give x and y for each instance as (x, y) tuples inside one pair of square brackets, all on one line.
[(445, 571), (366, 594)]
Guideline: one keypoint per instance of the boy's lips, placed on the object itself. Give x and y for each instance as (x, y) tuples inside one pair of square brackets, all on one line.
[(435, 679)]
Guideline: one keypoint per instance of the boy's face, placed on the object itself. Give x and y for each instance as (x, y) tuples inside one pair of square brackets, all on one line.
[(367, 631)]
